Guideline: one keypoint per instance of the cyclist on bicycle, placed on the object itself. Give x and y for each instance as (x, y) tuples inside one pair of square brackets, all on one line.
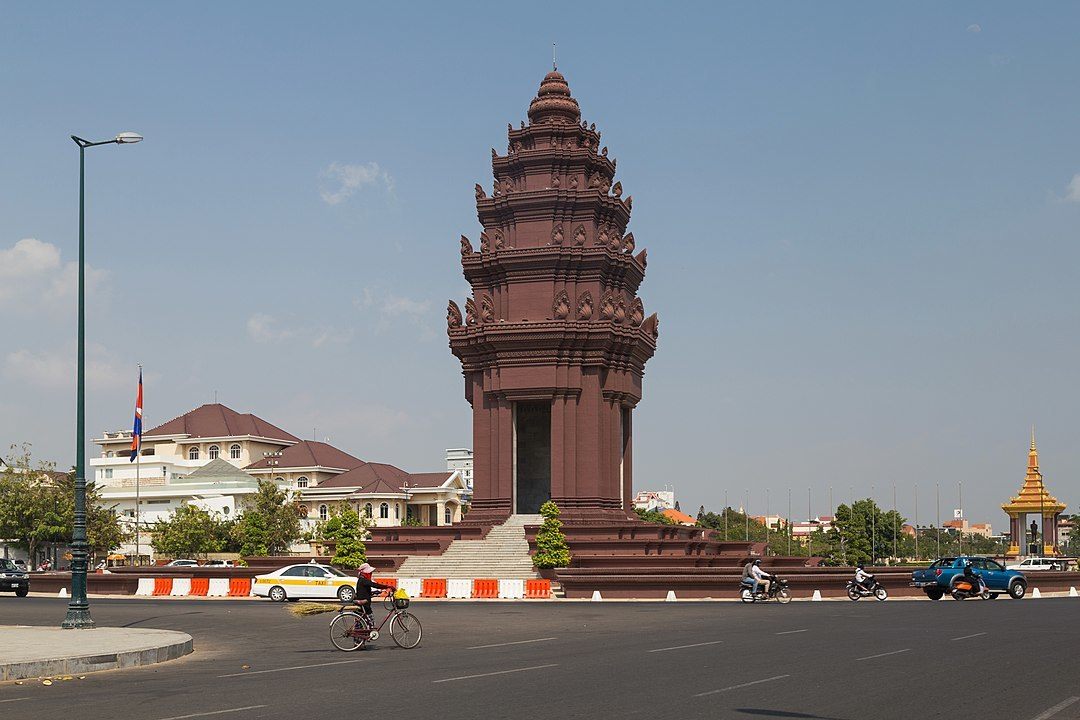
[(364, 586)]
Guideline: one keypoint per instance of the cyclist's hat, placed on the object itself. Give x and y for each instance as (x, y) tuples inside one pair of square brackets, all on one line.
[(365, 569)]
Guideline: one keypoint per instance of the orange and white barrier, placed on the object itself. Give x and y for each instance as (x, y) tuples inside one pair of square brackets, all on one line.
[(146, 587), (537, 589), (485, 588), (410, 585), (181, 587), (218, 587)]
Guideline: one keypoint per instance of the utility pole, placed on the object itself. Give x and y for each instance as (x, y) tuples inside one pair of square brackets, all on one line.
[(809, 527), (895, 555), (746, 515), (960, 487), (937, 520), (789, 521), (873, 525), (726, 507), (916, 521)]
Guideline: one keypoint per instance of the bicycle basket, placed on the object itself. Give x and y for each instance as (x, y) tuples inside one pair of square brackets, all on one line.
[(401, 603)]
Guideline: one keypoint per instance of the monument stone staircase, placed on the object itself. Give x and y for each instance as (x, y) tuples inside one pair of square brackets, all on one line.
[(503, 554)]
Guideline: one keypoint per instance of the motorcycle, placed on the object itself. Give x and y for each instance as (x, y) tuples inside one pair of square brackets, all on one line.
[(778, 590), (875, 589), (963, 589)]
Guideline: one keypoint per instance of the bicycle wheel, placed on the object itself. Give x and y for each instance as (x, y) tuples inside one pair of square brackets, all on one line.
[(348, 632), (406, 630)]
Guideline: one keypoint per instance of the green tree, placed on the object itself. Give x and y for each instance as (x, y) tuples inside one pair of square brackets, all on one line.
[(349, 550), (551, 548), (189, 531), (733, 526), (270, 522), (653, 516)]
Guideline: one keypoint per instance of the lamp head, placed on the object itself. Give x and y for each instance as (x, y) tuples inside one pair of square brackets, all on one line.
[(128, 138)]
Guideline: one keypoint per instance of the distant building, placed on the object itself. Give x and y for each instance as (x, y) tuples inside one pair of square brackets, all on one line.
[(963, 526), (801, 530), (213, 457), (679, 517), (461, 460), (773, 522), (654, 500)]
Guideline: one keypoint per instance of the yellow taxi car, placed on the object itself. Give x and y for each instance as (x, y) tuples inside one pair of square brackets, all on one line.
[(309, 580)]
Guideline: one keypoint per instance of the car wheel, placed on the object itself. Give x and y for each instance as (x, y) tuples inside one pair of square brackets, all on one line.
[(346, 593), (935, 593), (277, 594), (22, 592), (1017, 589)]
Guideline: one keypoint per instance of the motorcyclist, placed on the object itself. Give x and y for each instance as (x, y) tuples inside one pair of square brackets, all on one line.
[(364, 586), (759, 577), (974, 578), (863, 579)]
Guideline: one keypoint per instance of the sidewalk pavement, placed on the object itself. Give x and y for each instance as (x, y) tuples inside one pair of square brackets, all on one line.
[(32, 652)]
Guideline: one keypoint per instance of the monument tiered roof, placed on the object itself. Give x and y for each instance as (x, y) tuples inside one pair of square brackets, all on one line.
[(1033, 496)]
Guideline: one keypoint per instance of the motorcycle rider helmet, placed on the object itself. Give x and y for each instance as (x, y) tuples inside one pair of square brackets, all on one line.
[(861, 566), (757, 562)]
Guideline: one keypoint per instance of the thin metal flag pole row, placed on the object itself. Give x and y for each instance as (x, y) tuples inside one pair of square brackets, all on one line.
[(916, 521), (937, 520), (896, 557), (789, 528), (873, 525), (78, 612), (809, 527)]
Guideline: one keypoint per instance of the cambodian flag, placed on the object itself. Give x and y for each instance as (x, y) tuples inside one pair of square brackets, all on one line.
[(136, 432)]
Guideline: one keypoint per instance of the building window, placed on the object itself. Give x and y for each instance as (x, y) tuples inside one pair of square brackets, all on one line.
[(323, 514), (234, 452), (367, 509), (108, 473), (448, 515), (384, 511), (214, 452), (397, 511), (225, 510), (109, 454), (193, 453), (301, 482)]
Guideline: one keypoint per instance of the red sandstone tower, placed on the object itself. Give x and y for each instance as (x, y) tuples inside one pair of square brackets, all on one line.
[(554, 340)]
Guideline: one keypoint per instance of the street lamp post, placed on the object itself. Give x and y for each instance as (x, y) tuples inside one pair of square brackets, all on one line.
[(78, 612)]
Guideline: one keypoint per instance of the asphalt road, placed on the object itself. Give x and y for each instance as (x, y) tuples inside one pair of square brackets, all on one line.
[(829, 661)]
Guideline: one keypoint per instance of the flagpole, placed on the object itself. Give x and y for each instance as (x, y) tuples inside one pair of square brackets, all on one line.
[(138, 462)]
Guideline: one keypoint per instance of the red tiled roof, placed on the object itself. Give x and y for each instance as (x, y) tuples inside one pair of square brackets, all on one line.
[(370, 477), (430, 479), (678, 516), (216, 420), (309, 453)]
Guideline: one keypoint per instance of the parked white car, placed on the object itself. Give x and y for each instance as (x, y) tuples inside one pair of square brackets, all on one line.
[(309, 580), (1040, 563)]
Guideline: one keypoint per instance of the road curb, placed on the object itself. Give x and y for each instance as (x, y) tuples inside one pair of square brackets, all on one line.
[(166, 645)]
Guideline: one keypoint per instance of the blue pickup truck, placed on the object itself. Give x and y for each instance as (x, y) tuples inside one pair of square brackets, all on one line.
[(937, 580)]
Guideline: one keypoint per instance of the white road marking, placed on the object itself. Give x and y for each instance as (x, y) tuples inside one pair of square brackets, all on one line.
[(516, 642), (499, 672), (214, 712), (742, 685), (14, 699), (966, 637), (683, 647), (1046, 715), (789, 632), (297, 667), (894, 652)]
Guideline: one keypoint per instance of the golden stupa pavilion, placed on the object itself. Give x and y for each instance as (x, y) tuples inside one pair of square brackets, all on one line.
[(1033, 499)]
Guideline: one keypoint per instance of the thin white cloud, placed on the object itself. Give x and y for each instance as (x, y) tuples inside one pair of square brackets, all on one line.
[(31, 270), (974, 28), (55, 369), (341, 181), (1072, 192), (391, 309), (263, 328)]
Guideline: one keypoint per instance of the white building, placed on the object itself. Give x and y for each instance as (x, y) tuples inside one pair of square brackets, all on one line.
[(461, 460), (214, 456), (654, 500)]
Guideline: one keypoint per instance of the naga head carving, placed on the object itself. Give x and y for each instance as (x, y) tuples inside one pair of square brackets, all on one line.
[(560, 306), (584, 306), (453, 316)]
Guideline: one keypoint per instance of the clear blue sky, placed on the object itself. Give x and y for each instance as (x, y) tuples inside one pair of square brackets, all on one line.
[(862, 237)]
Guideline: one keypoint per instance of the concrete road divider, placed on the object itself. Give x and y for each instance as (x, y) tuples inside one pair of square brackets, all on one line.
[(670, 596), (200, 587), (162, 586), (62, 593), (433, 588), (537, 589), (596, 596), (146, 587), (1073, 593), (817, 596), (458, 588), (512, 589), (410, 585), (181, 587), (485, 588), (1035, 594), (217, 587)]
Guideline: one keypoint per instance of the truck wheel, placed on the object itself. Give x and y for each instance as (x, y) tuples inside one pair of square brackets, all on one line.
[(22, 592), (1017, 589), (935, 593)]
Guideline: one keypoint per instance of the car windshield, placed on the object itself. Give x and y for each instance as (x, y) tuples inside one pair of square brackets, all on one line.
[(943, 563), (6, 564), (333, 571)]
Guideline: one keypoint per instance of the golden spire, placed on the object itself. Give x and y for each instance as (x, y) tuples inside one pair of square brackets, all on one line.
[(1033, 453)]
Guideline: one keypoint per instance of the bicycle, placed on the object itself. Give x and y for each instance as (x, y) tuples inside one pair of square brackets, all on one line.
[(349, 630)]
